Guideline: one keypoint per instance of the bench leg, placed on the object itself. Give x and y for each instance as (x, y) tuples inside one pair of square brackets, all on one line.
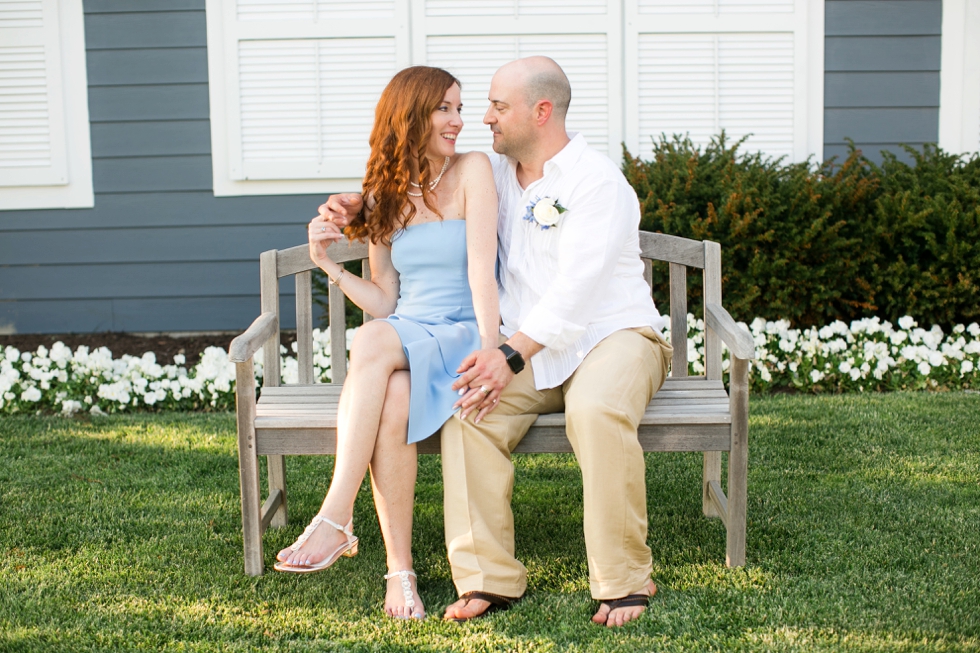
[(738, 461), (712, 472), (277, 481), (248, 468)]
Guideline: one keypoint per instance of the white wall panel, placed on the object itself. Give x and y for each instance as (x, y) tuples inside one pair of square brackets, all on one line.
[(474, 59), (514, 7), (313, 10)]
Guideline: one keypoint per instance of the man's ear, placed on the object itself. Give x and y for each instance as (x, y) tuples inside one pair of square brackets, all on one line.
[(542, 111)]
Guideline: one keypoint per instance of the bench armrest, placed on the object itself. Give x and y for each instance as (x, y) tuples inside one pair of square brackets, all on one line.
[(737, 337), (243, 347)]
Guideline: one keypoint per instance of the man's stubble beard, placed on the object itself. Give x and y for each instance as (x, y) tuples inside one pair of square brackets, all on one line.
[(518, 146)]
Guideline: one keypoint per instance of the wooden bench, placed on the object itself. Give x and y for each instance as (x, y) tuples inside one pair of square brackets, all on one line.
[(690, 413)]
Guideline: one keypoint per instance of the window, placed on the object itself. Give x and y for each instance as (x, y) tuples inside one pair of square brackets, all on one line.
[(45, 152), (294, 84), (959, 79), (746, 66)]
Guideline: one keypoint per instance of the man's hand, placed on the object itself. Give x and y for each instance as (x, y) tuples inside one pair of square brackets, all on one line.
[(341, 208), (484, 375)]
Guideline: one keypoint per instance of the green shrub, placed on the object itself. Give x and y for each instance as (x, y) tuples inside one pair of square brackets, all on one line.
[(928, 222), (815, 243)]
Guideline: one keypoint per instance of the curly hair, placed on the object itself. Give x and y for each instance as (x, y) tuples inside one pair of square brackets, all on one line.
[(401, 132)]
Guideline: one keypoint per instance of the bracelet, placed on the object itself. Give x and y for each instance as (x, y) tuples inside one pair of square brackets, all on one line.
[(336, 282)]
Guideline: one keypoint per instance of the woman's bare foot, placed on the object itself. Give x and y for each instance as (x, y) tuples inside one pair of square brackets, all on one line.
[(615, 617), (402, 599), (325, 540)]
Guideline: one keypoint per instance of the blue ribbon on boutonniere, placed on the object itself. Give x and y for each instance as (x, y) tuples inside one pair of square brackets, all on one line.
[(544, 212)]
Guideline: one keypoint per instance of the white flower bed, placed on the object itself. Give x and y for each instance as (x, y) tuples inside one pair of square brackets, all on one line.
[(867, 355), (65, 381)]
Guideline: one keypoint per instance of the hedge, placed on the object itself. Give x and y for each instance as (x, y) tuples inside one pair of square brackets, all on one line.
[(817, 243)]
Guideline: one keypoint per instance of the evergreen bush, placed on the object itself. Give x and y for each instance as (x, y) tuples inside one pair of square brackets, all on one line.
[(818, 243)]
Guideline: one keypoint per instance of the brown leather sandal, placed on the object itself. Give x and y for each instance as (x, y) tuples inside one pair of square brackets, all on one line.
[(497, 603)]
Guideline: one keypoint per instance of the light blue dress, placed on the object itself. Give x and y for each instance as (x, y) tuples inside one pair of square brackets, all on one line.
[(434, 317)]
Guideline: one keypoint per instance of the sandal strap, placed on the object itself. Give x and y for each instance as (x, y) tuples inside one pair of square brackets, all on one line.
[(406, 585), (315, 522), (630, 601)]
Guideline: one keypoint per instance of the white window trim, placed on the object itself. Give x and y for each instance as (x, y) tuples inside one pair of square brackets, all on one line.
[(807, 20), (77, 193), (959, 77)]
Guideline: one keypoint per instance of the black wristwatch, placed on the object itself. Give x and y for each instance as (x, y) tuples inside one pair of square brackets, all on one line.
[(514, 359)]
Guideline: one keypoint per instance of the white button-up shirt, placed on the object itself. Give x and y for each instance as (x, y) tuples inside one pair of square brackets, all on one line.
[(570, 286)]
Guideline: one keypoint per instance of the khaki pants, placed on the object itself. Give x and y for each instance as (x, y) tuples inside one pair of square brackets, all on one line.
[(603, 402)]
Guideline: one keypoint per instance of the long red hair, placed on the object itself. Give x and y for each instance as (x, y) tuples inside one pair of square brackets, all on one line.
[(402, 128)]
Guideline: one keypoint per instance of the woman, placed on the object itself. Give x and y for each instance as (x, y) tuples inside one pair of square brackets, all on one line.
[(431, 223)]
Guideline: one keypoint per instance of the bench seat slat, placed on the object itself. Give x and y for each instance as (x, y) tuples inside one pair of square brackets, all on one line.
[(315, 441), (321, 420)]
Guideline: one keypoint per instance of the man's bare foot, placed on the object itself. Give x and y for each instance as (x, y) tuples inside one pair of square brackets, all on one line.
[(473, 605), (613, 617), (322, 542), (398, 597), (465, 609)]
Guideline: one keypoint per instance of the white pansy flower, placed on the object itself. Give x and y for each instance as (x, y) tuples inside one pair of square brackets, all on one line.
[(906, 322), (32, 394), (924, 368), (973, 329), (966, 367)]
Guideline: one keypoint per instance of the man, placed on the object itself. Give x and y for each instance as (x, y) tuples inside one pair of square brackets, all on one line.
[(581, 335)]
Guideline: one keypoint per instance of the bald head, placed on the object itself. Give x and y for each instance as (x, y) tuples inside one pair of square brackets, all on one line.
[(540, 78)]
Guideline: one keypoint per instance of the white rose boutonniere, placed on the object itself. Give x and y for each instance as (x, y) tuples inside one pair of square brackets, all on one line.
[(544, 211)]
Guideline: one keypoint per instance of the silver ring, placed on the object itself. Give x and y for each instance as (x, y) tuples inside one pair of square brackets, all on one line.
[(485, 390), (322, 229)]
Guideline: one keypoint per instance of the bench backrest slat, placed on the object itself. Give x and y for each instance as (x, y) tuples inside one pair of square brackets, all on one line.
[(269, 278), (712, 295), (678, 318), (304, 325), (680, 253)]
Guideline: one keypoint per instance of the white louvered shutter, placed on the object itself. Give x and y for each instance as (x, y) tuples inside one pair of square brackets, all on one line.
[(742, 66), (473, 39), (33, 148), (301, 83)]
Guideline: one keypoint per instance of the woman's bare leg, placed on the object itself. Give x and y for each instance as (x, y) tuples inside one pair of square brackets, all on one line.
[(376, 354), (394, 467)]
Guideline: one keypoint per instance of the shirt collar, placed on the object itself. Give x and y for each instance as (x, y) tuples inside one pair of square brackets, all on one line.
[(564, 160)]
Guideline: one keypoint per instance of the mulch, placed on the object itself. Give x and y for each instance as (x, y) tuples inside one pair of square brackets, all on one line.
[(164, 346)]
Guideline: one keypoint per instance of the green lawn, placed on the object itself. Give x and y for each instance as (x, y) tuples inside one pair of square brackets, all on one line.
[(864, 534)]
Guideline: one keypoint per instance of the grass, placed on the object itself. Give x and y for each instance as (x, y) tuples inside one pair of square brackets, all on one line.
[(123, 533)]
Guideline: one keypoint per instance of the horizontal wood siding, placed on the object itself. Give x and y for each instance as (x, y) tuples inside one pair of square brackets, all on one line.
[(158, 252), (881, 85)]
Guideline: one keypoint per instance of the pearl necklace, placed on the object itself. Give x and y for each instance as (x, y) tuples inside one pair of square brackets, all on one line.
[(433, 183)]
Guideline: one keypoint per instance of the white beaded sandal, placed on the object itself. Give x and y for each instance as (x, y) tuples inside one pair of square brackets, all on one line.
[(348, 548), (407, 591)]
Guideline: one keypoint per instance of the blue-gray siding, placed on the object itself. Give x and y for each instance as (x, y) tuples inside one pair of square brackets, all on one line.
[(158, 252), (881, 84)]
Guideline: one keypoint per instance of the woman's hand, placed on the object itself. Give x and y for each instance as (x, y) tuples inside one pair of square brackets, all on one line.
[(322, 233)]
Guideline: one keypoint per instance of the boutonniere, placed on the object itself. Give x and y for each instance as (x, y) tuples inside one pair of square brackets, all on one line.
[(545, 211)]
